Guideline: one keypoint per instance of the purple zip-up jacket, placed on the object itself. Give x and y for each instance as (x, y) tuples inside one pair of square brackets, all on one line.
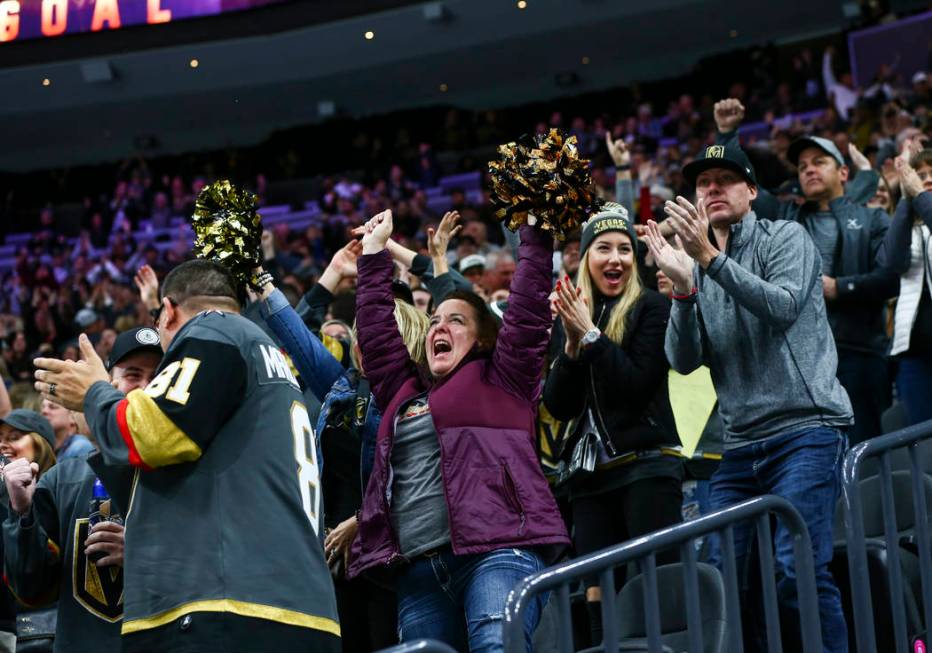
[(483, 412)]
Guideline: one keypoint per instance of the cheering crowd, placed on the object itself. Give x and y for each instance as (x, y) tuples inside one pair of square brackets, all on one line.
[(408, 413)]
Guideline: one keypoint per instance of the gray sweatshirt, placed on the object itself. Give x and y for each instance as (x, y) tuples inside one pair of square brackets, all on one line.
[(759, 324)]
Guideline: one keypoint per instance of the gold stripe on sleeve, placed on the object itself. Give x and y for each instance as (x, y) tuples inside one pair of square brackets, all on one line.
[(158, 440)]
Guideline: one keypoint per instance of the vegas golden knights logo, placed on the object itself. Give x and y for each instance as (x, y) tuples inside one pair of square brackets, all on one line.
[(715, 152), (98, 589), (362, 403), (552, 435)]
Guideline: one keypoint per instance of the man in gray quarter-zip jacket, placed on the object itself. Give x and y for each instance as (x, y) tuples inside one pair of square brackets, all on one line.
[(752, 310), (848, 236)]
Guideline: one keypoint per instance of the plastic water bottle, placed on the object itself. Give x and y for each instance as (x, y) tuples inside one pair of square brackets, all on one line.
[(99, 497)]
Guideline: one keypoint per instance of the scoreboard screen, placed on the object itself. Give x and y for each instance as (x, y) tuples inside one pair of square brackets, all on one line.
[(22, 20)]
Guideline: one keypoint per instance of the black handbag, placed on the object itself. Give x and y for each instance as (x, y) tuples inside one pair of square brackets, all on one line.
[(35, 630), (585, 456)]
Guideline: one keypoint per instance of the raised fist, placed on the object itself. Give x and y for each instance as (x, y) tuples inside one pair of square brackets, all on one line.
[(728, 114)]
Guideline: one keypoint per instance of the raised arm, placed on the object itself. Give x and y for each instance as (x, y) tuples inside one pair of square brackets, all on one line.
[(728, 115), (828, 75), (384, 354), (444, 280), (317, 366), (863, 185), (522, 342), (624, 185), (312, 309), (438, 240), (314, 362)]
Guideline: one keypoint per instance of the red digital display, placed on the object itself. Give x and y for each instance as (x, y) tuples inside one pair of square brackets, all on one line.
[(21, 20)]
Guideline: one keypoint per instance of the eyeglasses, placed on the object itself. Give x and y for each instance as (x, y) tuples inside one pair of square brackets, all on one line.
[(156, 313)]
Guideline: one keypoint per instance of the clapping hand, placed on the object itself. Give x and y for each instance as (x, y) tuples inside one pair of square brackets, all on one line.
[(574, 313), (691, 226), (675, 263), (909, 178)]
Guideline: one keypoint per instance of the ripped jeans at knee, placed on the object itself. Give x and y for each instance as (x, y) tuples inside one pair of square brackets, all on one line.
[(461, 600)]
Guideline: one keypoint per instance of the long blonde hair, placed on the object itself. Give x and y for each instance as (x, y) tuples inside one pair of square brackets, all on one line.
[(413, 325), (630, 294)]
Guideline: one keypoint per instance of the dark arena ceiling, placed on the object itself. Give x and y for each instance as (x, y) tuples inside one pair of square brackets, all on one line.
[(296, 63)]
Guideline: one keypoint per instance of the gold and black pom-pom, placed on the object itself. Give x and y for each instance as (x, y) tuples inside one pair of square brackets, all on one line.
[(543, 176), (228, 229)]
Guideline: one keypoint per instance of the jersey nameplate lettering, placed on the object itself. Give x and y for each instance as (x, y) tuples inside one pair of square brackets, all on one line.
[(274, 368)]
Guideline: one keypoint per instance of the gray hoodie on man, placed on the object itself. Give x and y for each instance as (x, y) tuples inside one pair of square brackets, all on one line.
[(759, 324)]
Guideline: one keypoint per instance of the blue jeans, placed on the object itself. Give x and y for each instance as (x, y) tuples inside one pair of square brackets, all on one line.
[(805, 469), (914, 386), (460, 600)]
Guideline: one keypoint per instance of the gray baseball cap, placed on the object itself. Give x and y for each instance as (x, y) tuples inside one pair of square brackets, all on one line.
[(827, 146), (86, 317), (29, 421), (472, 261)]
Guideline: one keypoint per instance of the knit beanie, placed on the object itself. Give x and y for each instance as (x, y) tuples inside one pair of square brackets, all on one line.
[(612, 217)]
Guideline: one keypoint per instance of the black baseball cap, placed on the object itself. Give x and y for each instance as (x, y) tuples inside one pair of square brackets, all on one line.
[(29, 421), (720, 156), (132, 341)]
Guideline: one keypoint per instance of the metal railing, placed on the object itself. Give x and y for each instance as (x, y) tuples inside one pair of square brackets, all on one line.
[(644, 549), (419, 646), (881, 447)]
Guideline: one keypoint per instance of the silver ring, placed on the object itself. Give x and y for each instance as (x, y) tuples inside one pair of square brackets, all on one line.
[(51, 389)]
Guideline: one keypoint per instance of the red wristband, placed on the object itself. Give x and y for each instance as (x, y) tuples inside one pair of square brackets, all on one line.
[(692, 293)]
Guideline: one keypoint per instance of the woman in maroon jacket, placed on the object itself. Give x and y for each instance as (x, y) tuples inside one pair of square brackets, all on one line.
[(457, 504)]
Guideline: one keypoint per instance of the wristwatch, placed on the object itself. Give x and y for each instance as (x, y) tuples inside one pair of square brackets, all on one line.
[(590, 337)]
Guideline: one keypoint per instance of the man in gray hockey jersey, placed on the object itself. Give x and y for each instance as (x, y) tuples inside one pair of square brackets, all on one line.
[(222, 526)]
